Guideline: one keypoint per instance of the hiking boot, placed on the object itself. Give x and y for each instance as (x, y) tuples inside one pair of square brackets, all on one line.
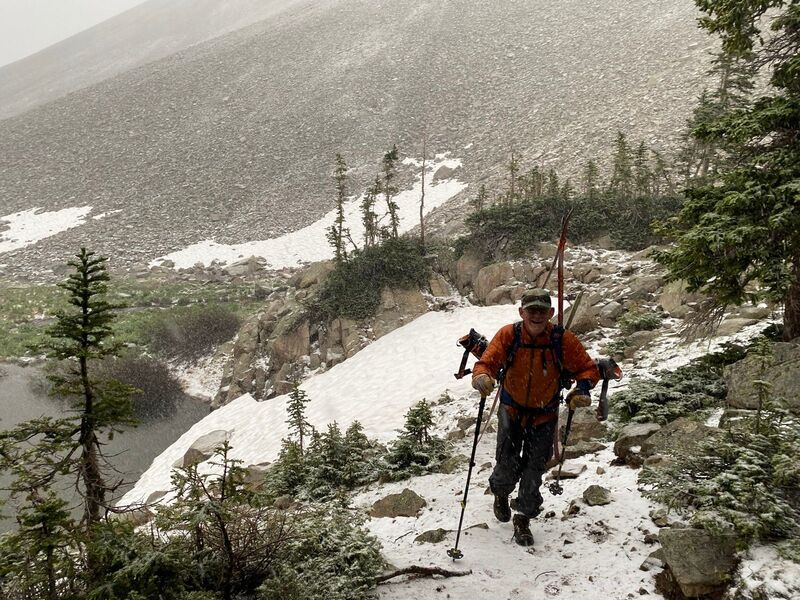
[(502, 511), (522, 531)]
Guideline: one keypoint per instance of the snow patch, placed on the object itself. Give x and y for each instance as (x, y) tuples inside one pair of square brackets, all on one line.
[(310, 243), (30, 226)]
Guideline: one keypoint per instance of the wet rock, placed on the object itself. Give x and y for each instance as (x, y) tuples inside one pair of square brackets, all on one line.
[(405, 504), (596, 495), (203, 447), (633, 435), (699, 562), (432, 536)]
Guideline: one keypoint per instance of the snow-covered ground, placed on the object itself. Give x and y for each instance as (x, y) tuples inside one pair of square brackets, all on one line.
[(596, 553), (29, 226), (310, 244)]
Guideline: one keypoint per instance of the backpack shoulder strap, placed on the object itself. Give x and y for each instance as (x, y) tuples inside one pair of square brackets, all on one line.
[(511, 351)]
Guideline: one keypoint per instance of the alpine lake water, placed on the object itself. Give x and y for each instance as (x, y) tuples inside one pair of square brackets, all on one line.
[(24, 396)]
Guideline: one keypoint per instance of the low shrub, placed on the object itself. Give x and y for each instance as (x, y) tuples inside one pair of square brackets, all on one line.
[(639, 320), (187, 333), (353, 289), (159, 393), (747, 482), (513, 231), (683, 392)]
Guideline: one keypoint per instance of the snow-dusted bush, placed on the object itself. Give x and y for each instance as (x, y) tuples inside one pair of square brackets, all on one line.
[(686, 391), (747, 481), (331, 557), (416, 450), (353, 289), (188, 333), (638, 319)]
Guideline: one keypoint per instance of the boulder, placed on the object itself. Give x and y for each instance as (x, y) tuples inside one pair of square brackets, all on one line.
[(315, 273), (609, 314), (455, 435), (454, 463), (491, 277), (644, 286), (405, 504), (782, 371), (582, 448), (444, 172), (570, 470), (596, 495), (734, 325), (639, 339), (585, 426), (675, 299), (432, 536), (681, 437), (439, 286), (246, 266), (698, 561), (503, 294), (203, 447), (585, 320), (291, 344), (467, 268), (398, 307), (633, 435)]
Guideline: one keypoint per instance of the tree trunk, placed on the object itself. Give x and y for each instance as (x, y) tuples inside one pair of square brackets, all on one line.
[(791, 315)]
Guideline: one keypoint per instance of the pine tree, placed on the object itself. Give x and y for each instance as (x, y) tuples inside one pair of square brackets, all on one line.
[(295, 412), (553, 186), (337, 232), (102, 406), (513, 171), (481, 200), (642, 176), (567, 191), (591, 180), (389, 189), (738, 237), (368, 216), (621, 182)]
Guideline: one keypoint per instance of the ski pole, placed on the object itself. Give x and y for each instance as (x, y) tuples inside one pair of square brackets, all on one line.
[(454, 552), (555, 487)]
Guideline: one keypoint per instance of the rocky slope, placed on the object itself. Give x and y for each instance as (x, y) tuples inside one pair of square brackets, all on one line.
[(233, 138)]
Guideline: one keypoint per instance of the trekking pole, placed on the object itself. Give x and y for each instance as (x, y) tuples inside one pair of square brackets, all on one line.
[(454, 552), (555, 487)]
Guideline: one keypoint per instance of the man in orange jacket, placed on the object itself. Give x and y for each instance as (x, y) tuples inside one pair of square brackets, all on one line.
[(529, 399)]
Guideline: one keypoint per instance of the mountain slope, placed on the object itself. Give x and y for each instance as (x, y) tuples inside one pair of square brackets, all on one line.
[(145, 33), (234, 139)]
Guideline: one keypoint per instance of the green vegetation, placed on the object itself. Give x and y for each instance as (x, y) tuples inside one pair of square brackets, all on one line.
[(745, 482), (353, 289), (187, 333), (157, 391), (689, 390), (638, 191), (637, 319), (335, 463), (27, 310), (737, 236)]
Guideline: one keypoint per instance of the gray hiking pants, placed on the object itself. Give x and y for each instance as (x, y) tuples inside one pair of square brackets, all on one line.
[(520, 457)]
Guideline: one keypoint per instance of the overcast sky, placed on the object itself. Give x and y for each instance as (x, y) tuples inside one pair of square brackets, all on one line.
[(27, 26)]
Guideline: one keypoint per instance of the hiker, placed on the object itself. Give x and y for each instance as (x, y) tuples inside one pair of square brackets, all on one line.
[(529, 397)]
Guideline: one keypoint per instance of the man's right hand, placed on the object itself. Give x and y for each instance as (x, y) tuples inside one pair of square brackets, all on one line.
[(483, 383)]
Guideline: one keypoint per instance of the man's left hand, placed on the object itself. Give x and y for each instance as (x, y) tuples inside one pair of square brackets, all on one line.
[(578, 398)]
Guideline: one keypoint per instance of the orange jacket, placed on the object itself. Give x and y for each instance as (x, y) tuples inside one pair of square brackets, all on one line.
[(532, 380)]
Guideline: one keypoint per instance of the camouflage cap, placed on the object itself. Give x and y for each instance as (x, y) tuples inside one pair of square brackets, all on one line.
[(536, 298)]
